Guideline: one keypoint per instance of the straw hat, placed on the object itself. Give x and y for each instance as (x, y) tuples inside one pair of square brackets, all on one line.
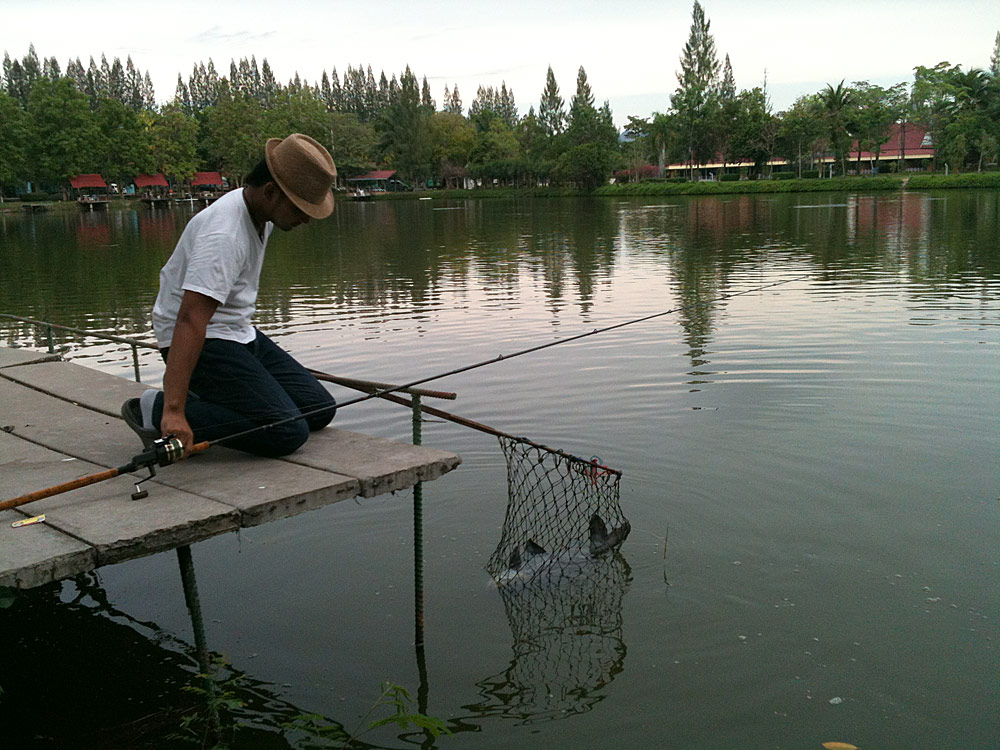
[(304, 170)]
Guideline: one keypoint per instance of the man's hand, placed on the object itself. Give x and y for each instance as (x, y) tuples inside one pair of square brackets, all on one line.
[(177, 425)]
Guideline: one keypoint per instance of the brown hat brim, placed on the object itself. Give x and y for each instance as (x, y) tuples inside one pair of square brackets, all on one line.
[(319, 210)]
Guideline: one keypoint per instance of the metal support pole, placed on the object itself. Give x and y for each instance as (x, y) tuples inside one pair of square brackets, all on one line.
[(198, 625), (52, 346), (418, 536), (135, 363), (423, 691)]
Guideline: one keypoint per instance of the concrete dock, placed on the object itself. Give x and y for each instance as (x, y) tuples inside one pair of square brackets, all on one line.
[(60, 421)]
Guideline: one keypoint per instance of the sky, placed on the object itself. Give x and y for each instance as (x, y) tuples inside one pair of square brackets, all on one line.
[(630, 50)]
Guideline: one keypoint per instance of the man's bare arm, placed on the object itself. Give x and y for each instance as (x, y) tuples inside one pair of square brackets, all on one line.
[(189, 337)]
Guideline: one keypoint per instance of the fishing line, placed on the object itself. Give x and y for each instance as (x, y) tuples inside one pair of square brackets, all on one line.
[(505, 357), (168, 450)]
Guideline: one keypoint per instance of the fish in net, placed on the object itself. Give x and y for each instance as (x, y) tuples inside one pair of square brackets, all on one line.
[(563, 513)]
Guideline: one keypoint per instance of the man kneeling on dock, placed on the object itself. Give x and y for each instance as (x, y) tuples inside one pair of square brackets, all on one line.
[(223, 376)]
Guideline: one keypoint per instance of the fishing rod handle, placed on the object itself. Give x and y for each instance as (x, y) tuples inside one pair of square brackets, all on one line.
[(59, 489)]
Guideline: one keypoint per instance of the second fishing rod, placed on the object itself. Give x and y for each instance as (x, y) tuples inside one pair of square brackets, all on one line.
[(494, 360)]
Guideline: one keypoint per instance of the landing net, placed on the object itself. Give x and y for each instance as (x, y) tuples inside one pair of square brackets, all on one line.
[(553, 498)]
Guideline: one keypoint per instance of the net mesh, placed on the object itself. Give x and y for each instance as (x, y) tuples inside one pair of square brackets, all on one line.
[(567, 644), (553, 498)]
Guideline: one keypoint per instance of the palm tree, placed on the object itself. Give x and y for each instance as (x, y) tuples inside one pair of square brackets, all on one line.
[(837, 103)]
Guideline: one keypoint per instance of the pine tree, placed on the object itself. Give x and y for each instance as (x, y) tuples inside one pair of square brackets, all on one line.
[(235, 79), (32, 68), (211, 84), (14, 77), (485, 108), (105, 77), (148, 94), (697, 94), (336, 93), (254, 80), (50, 69), (507, 107), (371, 95), (133, 86), (117, 82), (453, 104), (550, 109), (7, 64), (727, 89), (76, 71), (196, 88), (268, 85), (383, 91), (581, 109), (426, 100), (325, 93), (96, 83), (182, 96), (995, 58)]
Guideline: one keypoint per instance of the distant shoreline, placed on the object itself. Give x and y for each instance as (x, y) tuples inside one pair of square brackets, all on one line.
[(883, 183), (706, 187)]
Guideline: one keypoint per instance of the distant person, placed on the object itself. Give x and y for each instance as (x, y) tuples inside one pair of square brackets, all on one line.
[(224, 376)]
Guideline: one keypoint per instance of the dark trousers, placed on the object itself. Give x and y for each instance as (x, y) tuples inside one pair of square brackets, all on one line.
[(237, 387)]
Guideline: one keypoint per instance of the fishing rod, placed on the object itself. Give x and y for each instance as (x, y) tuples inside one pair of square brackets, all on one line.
[(522, 352), (168, 450), (162, 452)]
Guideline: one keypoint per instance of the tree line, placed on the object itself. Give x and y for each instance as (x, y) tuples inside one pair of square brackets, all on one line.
[(104, 118)]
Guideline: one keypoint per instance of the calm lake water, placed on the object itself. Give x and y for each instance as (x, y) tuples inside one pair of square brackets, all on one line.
[(811, 472)]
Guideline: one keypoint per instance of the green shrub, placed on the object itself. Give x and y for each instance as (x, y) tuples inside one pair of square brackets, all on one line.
[(810, 174), (36, 197), (969, 180), (729, 178), (784, 175)]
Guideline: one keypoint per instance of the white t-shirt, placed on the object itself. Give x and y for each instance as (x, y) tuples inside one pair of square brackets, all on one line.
[(219, 255)]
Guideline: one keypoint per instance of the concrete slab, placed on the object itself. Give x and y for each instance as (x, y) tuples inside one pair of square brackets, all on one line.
[(261, 489), (64, 427), (35, 555), (60, 421), (16, 357), (95, 390), (380, 465)]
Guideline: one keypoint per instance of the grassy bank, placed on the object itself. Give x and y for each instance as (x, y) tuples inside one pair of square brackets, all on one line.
[(836, 184)]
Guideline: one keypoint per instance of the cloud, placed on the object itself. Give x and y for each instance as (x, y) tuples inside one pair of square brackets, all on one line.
[(216, 34)]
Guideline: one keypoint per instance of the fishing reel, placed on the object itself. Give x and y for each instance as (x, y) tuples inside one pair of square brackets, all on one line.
[(162, 452)]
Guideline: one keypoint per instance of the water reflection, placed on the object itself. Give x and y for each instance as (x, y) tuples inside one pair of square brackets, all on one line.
[(116, 649), (567, 644), (101, 269)]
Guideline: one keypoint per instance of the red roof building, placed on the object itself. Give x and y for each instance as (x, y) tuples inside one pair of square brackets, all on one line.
[(150, 180), (88, 181), (209, 179), (378, 174), (905, 140)]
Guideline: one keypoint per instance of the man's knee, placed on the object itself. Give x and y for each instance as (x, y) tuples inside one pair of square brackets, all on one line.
[(283, 440), (322, 418)]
